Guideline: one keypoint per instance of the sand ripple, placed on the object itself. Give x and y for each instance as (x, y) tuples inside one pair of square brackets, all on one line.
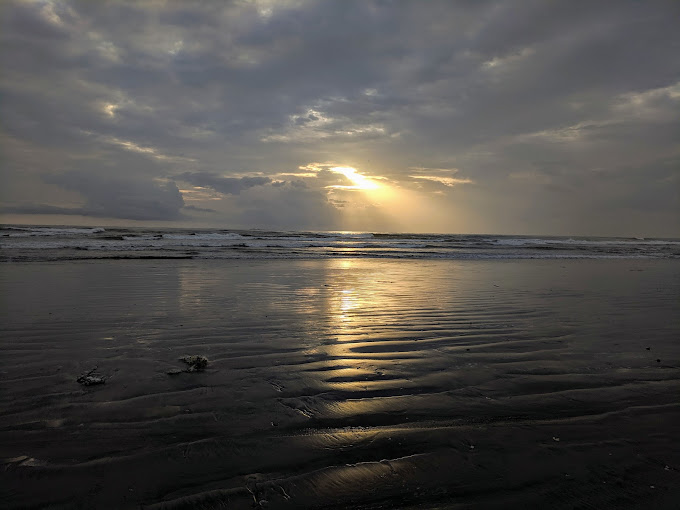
[(341, 384)]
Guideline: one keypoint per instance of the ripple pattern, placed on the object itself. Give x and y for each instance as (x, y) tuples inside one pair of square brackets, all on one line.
[(341, 384)]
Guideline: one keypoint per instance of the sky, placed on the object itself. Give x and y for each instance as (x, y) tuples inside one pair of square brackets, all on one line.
[(470, 116)]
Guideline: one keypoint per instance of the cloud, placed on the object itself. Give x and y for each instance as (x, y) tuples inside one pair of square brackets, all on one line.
[(199, 209), (225, 185), (443, 177), (553, 104), (110, 197), (287, 207), (35, 209), (313, 125)]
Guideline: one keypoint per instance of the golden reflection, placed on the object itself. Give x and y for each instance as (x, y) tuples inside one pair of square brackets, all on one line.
[(348, 302), (356, 363), (345, 264)]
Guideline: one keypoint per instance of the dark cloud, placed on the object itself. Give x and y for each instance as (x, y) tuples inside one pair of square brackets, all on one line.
[(45, 209), (226, 185), (287, 208), (110, 197), (565, 106), (199, 209)]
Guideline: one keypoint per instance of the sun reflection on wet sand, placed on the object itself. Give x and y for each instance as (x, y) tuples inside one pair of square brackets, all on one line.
[(348, 301), (354, 303), (332, 382)]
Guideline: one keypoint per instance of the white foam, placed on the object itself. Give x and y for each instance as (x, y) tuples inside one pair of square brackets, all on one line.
[(51, 231)]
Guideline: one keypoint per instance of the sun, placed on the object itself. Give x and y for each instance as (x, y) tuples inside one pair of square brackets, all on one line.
[(360, 182)]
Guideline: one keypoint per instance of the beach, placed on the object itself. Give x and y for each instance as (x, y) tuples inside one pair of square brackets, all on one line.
[(339, 255), (341, 383)]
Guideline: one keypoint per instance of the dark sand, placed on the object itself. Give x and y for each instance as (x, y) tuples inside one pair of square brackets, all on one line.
[(341, 384)]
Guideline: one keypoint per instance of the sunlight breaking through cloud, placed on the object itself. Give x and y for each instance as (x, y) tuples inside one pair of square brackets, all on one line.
[(561, 118)]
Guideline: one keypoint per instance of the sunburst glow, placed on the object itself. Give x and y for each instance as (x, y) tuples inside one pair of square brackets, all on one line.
[(360, 182)]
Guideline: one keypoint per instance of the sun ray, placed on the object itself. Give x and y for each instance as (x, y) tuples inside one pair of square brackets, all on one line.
[(361, 182)]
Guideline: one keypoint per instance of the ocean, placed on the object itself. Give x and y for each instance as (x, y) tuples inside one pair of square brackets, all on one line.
[(32, 243)]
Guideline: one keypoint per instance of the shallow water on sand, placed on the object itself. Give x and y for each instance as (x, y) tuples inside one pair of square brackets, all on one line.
[(341, 383)]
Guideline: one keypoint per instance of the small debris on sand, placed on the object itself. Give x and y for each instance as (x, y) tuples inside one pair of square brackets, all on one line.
[(91, 378), (278, 387), (195, 363)]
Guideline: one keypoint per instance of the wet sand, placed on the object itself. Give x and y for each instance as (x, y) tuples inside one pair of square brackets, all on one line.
[(341, 384)]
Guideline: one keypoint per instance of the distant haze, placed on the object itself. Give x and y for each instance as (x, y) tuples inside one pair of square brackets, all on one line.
[(509, 117)]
